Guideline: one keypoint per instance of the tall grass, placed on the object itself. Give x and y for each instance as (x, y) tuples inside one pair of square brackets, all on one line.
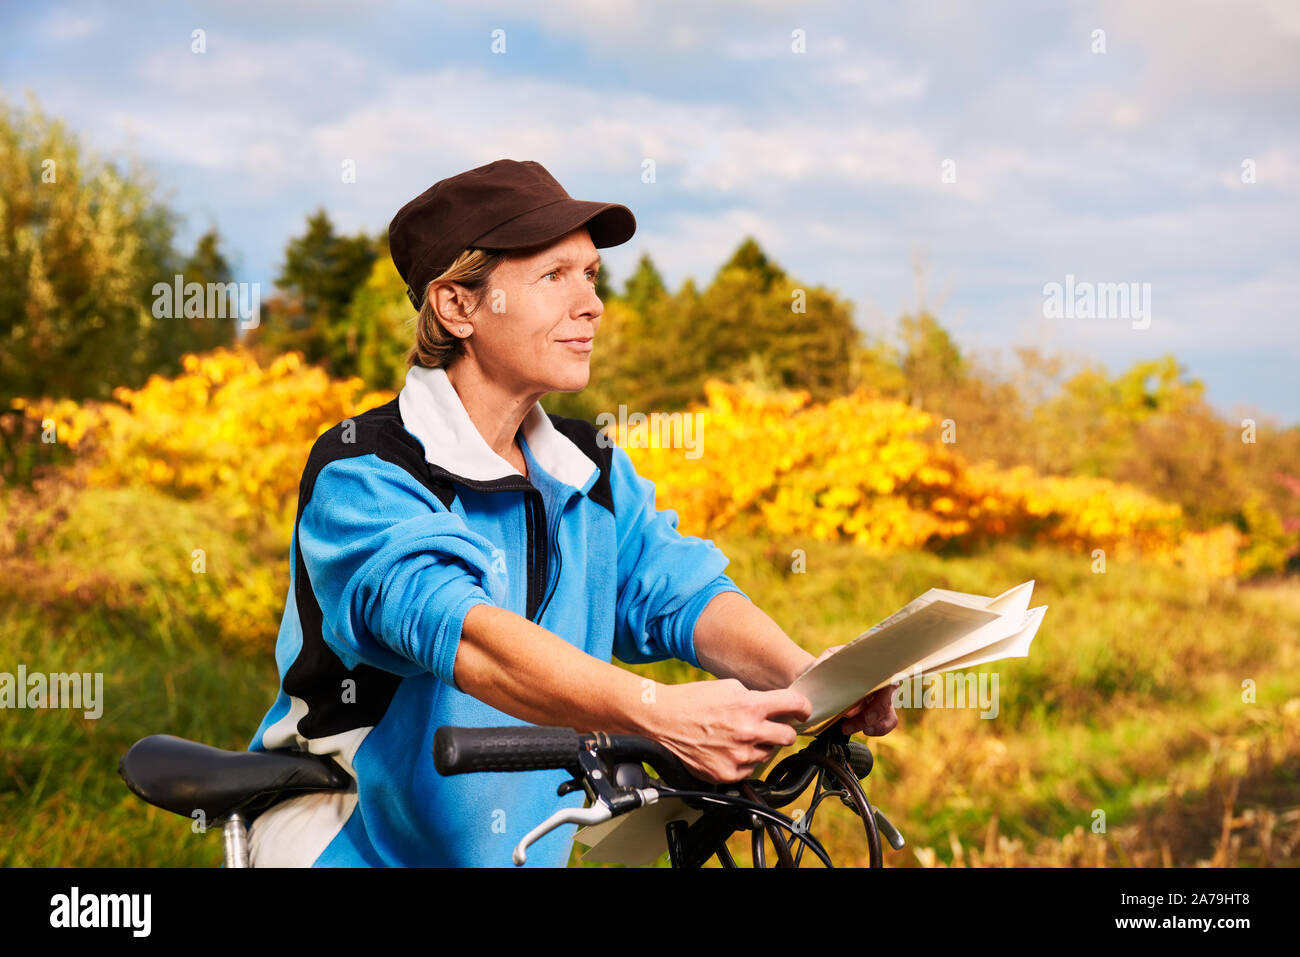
[(107, 586), (1123, 739)]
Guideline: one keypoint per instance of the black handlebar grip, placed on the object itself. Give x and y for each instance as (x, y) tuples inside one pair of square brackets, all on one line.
[(523, 748)]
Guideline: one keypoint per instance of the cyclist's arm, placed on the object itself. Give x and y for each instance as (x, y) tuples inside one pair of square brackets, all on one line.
[(734, 638), (392, 569), (521, 668), (404, 585), (719, 728), (675, 601), (665, 578)]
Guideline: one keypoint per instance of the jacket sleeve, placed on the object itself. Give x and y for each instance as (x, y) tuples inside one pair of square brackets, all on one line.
[(393, 570), (665, 578)]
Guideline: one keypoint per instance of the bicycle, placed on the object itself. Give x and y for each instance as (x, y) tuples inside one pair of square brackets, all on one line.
[(230, 788)]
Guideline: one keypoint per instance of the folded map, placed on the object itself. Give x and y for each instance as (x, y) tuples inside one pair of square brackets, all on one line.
[(941, 630)]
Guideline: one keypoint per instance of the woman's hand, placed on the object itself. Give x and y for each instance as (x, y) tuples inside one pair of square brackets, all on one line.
[(873, 715), (722, 730)]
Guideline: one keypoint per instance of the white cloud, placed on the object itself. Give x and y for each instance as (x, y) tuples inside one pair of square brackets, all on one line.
[(873, 81), (1198, 52), (690, 244), (1235, 316), (65, 26)]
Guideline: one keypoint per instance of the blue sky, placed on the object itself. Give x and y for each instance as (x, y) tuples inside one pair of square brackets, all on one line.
[(1115, 167)]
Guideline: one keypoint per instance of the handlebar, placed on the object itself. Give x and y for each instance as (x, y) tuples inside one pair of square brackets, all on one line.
[(608, 767), (466, 750), (527, 748)]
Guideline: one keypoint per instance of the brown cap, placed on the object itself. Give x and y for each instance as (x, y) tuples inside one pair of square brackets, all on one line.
[(506, 204)]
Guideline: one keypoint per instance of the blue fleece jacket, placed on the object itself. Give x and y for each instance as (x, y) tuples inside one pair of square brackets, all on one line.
[(407, 519)]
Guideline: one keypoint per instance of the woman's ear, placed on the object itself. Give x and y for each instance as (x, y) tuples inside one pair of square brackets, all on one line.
[(451, 308)]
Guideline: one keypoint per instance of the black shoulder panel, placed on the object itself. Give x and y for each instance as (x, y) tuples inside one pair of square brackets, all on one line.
[(587, 437), (317, 675), (379, 431)]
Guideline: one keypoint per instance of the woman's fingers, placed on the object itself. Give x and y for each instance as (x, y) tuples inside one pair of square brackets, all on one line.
[(874, 714), (784, 701)]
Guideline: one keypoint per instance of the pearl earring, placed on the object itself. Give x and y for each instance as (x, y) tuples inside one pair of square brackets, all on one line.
[(462, 330)]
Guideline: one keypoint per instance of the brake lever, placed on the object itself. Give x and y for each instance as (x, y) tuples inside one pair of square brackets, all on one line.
[(596, 814), (569, 815), (887, 828), (607, 801)]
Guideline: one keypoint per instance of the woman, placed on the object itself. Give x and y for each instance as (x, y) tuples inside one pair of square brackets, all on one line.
[(463, 558)]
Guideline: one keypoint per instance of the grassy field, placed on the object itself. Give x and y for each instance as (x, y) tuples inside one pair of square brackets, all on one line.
[(1131, 703)]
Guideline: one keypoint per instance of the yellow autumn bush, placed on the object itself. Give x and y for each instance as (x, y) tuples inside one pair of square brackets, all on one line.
[(860, 467), (226, 427), (864, 468), (229, 433)]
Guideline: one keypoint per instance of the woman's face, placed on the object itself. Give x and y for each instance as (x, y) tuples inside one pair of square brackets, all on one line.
[(537, 324)]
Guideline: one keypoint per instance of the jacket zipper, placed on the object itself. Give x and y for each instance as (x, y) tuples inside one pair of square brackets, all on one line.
[(559, 567), (538, 558), (538, 564)]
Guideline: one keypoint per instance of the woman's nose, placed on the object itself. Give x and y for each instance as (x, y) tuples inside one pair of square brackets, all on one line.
[(592, 304)]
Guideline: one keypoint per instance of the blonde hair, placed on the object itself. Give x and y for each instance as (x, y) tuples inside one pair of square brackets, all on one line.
[(434, 347)]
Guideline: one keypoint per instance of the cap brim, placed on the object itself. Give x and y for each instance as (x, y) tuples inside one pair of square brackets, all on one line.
[(610, 224)]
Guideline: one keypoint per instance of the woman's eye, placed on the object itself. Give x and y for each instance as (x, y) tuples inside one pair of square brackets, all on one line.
[(591, 275)]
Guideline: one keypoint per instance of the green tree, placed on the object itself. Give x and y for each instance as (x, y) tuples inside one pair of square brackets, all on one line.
[(1091, 426), (753, 314), (377, 332), (604, 286), (657, 350), (322, 272), (82, 243), (877, 365), (931, 362), (750, 259), (324, 268), (645, 286), (205, 265)]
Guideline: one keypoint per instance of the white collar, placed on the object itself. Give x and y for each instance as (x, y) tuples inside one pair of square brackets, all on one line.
[(433, 412)]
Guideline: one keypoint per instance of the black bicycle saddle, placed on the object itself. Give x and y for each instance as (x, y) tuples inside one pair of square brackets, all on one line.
[(184, 776)]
